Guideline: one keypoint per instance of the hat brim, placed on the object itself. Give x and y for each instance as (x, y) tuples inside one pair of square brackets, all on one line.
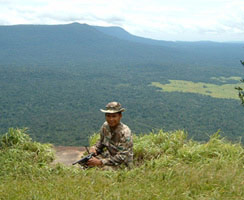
[(112, 111)]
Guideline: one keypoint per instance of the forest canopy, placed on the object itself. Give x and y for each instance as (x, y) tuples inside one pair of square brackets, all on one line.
[(54, 80)]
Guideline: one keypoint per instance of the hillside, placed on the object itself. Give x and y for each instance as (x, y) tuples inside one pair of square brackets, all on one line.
[(55, 78), (72, 43), (120, 33), (166, 166)]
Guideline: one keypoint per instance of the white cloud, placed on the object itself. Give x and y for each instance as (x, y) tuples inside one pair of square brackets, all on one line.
[(159, 19)]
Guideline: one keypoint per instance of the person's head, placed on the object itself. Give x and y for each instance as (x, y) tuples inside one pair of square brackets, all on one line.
[(113, 119), (113, 113)]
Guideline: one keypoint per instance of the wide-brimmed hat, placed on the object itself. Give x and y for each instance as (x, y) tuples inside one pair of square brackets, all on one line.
[(113, 107)]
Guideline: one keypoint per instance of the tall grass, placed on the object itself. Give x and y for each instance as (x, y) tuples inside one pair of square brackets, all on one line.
[(167, 166), (20, 156)]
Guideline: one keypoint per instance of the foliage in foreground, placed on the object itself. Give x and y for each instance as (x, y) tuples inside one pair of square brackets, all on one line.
[(20, 156), (240, 90), (167, 166)]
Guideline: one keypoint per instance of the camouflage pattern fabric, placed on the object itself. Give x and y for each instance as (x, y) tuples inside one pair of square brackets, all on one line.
[(118, 143)]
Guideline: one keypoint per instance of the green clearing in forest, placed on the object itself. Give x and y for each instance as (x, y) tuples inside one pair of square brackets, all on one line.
[(224, 91), (225, 79)]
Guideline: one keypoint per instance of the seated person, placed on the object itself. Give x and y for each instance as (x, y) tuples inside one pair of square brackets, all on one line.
[(116, 137)]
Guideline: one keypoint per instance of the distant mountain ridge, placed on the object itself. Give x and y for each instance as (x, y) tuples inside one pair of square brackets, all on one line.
[(78, 42), (120, 33), (81, 42)]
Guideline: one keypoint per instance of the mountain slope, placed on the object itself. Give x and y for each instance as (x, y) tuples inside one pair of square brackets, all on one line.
[(120, 33), (77, 42), (83, 43)]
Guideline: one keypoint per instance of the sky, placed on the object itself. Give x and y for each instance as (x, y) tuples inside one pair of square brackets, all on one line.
[(172, 20)]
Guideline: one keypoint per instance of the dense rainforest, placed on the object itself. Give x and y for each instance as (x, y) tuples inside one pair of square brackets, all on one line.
[(54, 79)]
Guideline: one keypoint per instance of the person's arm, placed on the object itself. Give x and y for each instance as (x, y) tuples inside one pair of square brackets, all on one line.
[(97, 150), (99, 145), (94, 162)]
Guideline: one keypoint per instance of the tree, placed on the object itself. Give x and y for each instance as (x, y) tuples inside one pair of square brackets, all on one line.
[(240, 90)]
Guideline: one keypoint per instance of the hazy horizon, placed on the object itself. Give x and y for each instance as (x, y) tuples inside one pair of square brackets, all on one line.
[(175, 20)]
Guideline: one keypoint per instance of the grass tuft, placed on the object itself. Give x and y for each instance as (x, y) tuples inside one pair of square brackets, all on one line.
[(167, 166)]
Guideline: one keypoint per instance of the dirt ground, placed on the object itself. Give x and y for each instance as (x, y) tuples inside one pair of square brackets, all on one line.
[(68, 154)]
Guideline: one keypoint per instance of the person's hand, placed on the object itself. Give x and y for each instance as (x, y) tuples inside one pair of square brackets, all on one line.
[(93, 150), (94, 162)]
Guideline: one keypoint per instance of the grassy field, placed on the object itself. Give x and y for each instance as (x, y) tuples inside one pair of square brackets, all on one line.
[(225, 79), (225, 91), (167, 166)]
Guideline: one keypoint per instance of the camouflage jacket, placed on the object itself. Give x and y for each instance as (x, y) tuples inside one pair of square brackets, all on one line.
[(118, 143)]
